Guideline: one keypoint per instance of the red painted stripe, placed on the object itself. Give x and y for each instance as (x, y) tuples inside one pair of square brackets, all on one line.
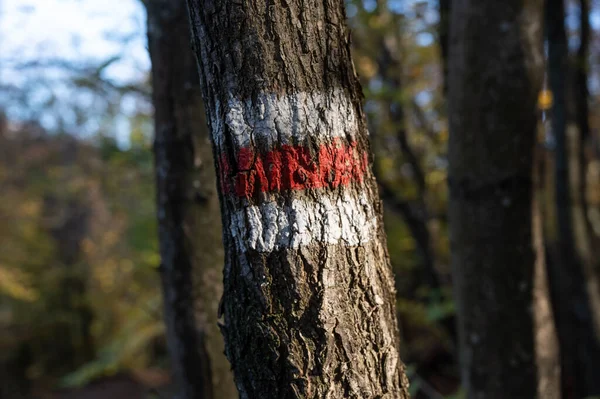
[(292, 168)]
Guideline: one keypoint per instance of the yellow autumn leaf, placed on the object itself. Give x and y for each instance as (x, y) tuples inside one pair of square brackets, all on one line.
[(545, 99), (16, 285)]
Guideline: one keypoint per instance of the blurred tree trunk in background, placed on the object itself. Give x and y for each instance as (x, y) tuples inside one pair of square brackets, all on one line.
[(580, 350), (586, 239), (309, 299), (14, 383), (67, 219), (444, 9), (188, 209), (495, 57), (588, 243), (546, 337), (68, 223), (582, 105)]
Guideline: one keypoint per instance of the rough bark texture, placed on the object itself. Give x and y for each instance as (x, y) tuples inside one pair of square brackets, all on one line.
[(495, 58), (580, 350), (188, 209), (309, 294)]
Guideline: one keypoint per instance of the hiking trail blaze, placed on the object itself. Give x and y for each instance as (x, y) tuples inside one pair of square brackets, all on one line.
[(297, 143)]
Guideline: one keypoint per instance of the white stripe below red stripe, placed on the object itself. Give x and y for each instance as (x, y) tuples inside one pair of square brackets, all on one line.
[(335, 218)]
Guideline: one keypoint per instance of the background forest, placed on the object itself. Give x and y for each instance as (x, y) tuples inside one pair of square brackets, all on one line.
[(80, 290)]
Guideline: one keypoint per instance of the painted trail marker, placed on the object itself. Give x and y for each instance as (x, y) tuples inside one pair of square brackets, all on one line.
[(284, 145)]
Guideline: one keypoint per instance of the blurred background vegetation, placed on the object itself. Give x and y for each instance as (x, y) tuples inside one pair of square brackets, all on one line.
[(80, 298)]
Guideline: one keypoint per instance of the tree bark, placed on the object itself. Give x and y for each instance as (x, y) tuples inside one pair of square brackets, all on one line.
[(188, 209), (580, 349), (495, 57), (309, 300)]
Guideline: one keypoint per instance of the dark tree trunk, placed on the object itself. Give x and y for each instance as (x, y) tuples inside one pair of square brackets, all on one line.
[(582, 96), (586, 238), (309, 294), (68, 222), (14, 381), (444, 7), (495, 57), (188, 209), (580, 350)]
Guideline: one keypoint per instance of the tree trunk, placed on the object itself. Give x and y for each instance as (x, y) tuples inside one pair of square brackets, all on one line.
[(188, 209), (309, 294), (581, 99), (546, 339), (580, 350), (495, 57), (68, 223), (444, 9), (587, 242)]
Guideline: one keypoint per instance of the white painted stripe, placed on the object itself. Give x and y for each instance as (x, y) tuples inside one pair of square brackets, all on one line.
[(335, 218), (286, 119)]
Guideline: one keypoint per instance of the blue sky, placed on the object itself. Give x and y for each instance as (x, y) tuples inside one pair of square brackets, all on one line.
[(75, 30), (81, 32)]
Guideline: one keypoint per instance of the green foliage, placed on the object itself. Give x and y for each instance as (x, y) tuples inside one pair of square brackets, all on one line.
[(78, 256)]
